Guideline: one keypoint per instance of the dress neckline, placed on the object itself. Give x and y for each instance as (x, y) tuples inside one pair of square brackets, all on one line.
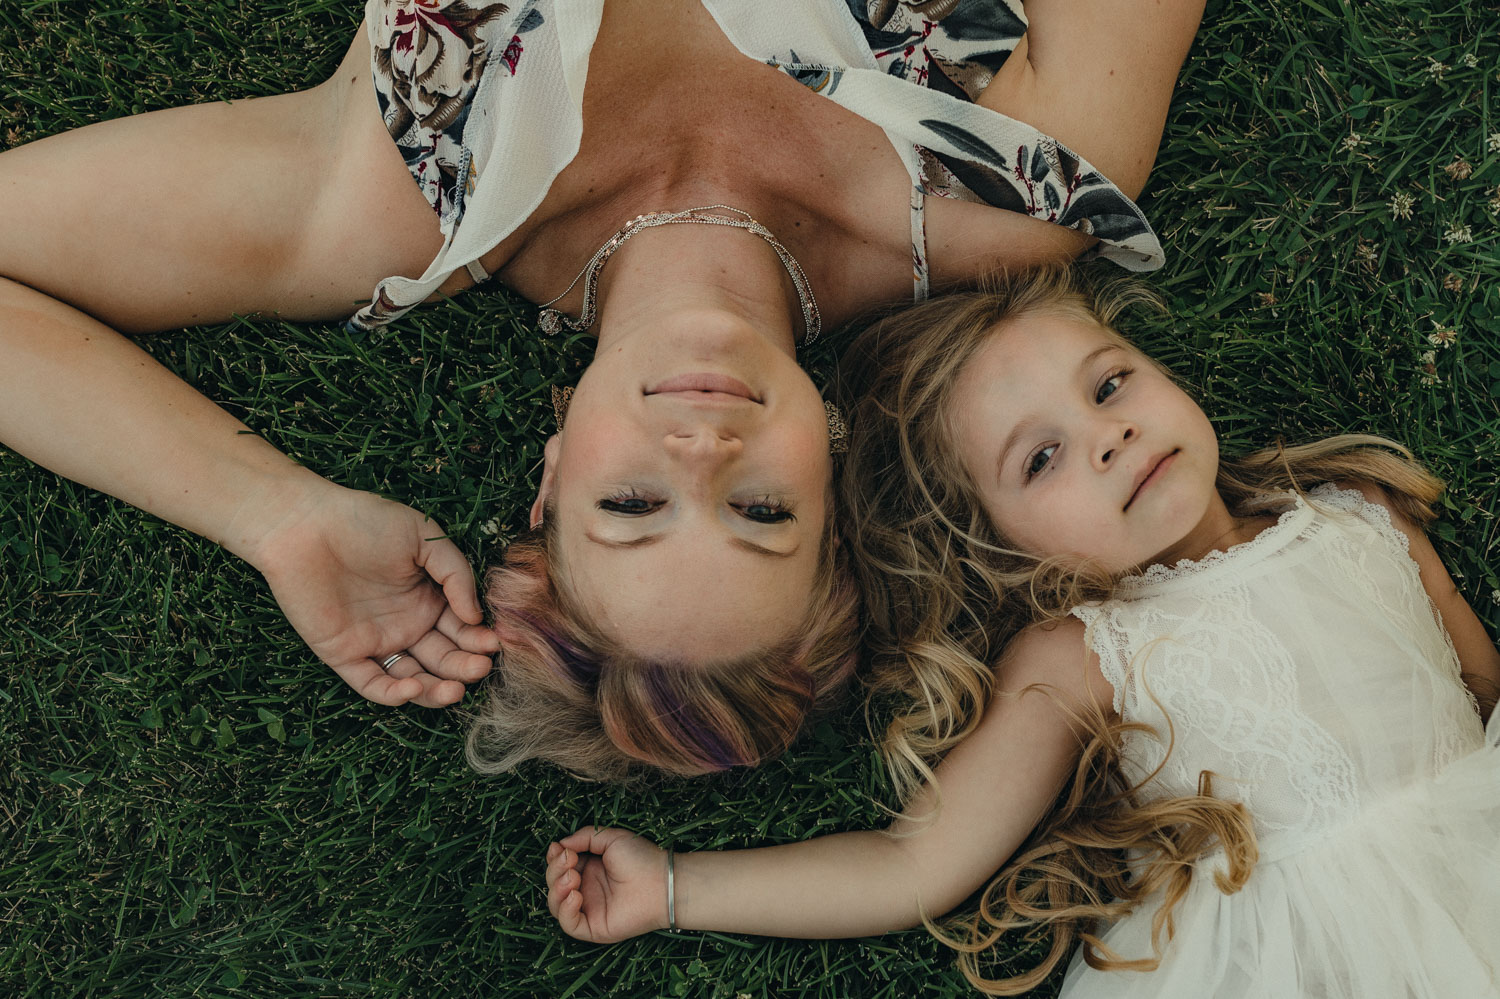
[(1271, 539)]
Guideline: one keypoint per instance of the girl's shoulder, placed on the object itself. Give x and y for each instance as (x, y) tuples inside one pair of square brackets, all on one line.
[(1054, 654), (1372, 503)]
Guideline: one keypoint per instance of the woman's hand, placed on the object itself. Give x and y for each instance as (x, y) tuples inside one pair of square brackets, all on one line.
[(361, 578), (605, 885)]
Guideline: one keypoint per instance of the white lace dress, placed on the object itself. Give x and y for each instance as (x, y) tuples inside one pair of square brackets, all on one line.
[(1308, 671)]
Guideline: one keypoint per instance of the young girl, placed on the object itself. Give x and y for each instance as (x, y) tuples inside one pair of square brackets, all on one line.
[(1231, 702)]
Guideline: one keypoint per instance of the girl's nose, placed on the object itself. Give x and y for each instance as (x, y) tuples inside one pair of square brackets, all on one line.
[(1115, 438)]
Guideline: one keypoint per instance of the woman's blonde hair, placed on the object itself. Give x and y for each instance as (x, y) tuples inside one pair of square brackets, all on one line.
[(565, 692), (944, 591)]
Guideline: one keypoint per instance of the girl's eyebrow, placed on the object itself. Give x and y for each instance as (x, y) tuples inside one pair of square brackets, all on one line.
[(1091, 356), (1016, 432), (1024, 425)]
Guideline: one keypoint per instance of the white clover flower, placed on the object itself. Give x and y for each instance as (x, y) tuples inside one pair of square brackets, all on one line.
[(1427, 375), (490, 527), (1353, 141), (1470, 60), (1493, 142), (1441, 336), (1457, 233), (1495, 596), (1459, 169), (1401, 204), (1436, 69)]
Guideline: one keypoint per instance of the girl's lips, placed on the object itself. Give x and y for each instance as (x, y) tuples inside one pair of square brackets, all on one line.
[(1155, 472), (703, 382)]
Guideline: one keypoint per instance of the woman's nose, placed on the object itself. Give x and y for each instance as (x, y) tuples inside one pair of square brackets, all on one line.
[(703, 445), (1115, 437)]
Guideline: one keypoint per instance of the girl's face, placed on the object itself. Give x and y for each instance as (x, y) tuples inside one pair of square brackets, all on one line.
[(1081, 446)]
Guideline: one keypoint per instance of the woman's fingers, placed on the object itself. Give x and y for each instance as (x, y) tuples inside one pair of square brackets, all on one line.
[(406, 682), (476, 638), (447, 566), (375, 684), (439, 656)]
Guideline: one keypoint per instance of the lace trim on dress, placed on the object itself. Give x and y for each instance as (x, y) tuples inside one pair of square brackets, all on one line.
[(1111, 666), (1333, 498), (1273, 538), (1327, 497)]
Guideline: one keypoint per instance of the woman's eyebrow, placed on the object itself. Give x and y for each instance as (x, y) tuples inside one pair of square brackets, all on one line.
[(651, 539), (640, 542)]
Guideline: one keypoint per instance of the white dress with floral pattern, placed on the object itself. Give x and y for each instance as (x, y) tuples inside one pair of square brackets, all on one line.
[(484, 100)]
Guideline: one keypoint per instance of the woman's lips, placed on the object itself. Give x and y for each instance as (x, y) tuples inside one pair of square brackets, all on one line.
[(703, 382), (1156, 470)]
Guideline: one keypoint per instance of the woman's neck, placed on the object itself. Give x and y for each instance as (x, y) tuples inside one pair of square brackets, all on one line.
[(698, 269)]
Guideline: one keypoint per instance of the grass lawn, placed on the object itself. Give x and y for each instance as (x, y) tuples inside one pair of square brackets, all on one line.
[(191, 806)]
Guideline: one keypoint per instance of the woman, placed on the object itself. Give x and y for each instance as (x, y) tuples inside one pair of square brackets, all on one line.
[(688, 609)]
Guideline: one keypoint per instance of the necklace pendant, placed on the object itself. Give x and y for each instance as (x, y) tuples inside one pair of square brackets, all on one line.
[(552, 321)]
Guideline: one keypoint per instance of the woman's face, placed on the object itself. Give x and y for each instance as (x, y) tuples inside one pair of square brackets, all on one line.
[(690, 484)]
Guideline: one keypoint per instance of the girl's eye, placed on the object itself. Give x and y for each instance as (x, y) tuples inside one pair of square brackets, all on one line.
[(1038, 461), (1112, 384), (629, 503), (765, 510)]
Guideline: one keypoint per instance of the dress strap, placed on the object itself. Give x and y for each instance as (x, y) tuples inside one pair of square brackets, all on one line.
[(921, 285), (477, 272)]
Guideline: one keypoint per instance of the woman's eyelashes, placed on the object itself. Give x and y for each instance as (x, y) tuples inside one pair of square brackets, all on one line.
[(766, 510), (761, 509), (629, 503)]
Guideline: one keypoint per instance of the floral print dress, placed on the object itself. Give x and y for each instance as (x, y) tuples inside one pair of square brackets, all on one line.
[(484, 100)]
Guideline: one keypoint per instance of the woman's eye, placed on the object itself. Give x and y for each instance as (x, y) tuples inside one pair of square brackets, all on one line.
[(1039, 460), (1111, 385), (629, 503), (767, 511)]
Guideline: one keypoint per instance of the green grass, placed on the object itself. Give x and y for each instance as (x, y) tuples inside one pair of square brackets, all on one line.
[(190, 806)]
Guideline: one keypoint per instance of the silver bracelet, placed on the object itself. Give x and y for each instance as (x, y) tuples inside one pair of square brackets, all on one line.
[(671, 890)]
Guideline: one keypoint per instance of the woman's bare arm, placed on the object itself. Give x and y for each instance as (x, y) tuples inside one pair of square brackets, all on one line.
[(1098, 76), (297, 205), (358, 576), (293, 205)]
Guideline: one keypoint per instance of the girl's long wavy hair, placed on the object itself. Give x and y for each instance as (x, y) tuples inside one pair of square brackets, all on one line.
[(566, 693), (944, 591)]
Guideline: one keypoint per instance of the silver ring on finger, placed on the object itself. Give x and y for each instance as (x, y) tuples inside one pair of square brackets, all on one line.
[(392, 660)]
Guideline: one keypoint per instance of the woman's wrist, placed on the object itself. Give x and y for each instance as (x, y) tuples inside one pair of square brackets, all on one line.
[(277, 506)]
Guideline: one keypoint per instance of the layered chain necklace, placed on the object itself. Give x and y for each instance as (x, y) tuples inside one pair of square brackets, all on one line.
[(552, 320)]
